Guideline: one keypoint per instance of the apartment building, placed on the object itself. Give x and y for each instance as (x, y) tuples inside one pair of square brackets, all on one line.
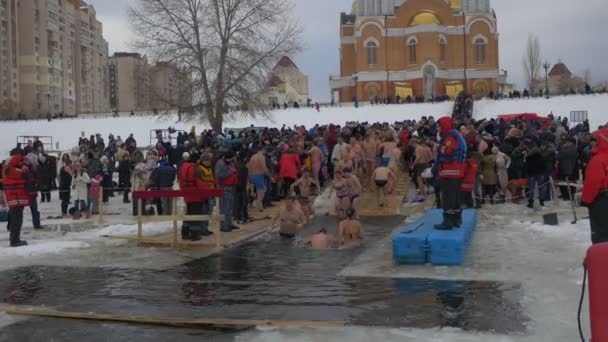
[(9, 60), (53, 58), (171, 87), (129, 82)]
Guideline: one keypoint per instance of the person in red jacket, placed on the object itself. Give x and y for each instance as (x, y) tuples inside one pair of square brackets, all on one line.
[(14, 176), (468, 182), (289, 165), (595, 189), (450, 171)]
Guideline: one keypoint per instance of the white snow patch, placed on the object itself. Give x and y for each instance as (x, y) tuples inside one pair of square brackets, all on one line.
[(123, 229), (37, 248)]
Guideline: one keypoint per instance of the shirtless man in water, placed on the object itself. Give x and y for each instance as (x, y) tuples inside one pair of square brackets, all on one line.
[(350, 230), (291, 219), (384, 179), (321, 240), (305, 185)]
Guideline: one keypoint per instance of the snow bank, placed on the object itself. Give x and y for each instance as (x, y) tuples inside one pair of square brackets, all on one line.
[(122, 230), (38, 248), (67, 132), (578, 232)]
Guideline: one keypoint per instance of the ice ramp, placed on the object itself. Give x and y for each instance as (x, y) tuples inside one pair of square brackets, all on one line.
[(420, 243)]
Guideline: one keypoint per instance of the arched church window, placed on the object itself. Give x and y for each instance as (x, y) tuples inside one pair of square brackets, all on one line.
[(442, 49), (480, 51), (372, 53), (412, 43)]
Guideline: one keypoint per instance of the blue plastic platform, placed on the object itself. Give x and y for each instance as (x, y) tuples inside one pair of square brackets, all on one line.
[(420, 242)]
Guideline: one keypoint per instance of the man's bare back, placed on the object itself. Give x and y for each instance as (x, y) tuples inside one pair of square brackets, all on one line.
[(350, 231)]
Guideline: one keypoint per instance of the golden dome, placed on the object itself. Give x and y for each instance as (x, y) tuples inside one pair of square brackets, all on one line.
[(455, 4), (425, 18)]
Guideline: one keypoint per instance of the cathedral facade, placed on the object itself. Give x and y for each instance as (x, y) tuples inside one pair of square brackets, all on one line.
[(417, 48)]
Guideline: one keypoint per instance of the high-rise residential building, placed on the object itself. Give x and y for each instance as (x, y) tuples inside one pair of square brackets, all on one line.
[(129, 82), (94, 73), (53, 58), (171, 87), (9, 60)]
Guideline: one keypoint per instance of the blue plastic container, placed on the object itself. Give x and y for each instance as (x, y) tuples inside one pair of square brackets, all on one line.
[(420, 243), (450, 247)]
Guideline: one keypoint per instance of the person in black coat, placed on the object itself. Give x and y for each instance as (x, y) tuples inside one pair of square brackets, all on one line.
[(241, 196), (45, 176), (568, 166), (65, 184), (536, 167)]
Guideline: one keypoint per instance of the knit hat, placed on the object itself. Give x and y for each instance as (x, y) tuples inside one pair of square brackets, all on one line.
[(186, 156)]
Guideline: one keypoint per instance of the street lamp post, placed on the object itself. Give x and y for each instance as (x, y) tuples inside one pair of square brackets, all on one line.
[(547, 65)]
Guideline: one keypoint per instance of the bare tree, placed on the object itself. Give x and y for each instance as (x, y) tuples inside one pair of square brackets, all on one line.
[(532, 62), (228, 46), (587, 76)]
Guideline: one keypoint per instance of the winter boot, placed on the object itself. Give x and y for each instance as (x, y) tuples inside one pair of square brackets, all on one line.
[(185, 232), (530, 204), (195, 233), (446, 224), (19, 244)]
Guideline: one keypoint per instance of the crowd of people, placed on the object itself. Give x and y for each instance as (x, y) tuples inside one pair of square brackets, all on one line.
[(465, 163)]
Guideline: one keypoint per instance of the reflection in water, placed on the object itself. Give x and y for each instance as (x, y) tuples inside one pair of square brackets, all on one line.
[(270, 279)]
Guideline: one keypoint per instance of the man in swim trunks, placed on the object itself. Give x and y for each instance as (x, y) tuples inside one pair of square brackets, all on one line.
[(422, 159), (354, 190), (371, 151), (305, 185), (350, 230), (383, 177), (342, 194), (258, 171), (291, 219)]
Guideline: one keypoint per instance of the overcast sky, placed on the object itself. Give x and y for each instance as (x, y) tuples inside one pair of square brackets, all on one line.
[(573, 31)]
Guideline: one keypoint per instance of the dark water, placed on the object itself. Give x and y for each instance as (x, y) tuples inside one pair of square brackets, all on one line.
[(264, 279)]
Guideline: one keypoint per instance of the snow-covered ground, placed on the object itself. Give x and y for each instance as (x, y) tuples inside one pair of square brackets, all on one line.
[(67, 132)]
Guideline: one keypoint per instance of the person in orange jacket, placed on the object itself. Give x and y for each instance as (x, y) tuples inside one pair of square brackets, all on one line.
[(595, 189), (468, 182)]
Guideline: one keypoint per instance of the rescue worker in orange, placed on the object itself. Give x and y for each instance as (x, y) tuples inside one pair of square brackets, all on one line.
[(450, 170), (14, 176), (595, 189), (191, 177)]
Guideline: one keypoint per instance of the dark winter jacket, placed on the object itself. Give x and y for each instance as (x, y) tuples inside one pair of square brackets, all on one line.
[(550, 157), (45, 174), (535, 163), (163, 176), (568, 161), (94, 168), (65, 184)]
